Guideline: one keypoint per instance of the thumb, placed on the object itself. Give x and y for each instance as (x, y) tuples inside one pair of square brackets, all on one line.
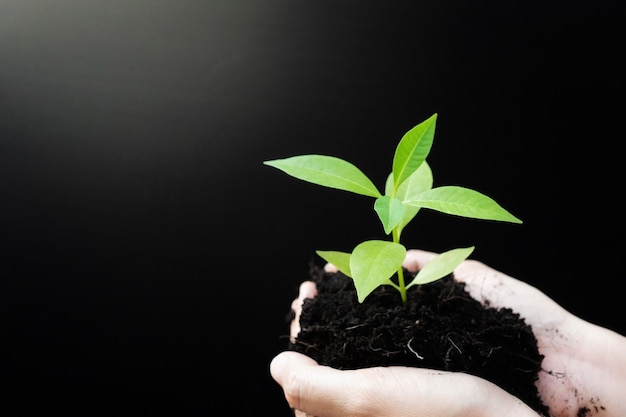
[(391, 391), (309, 387)]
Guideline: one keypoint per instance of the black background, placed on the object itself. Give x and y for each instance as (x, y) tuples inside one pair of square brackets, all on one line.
[(149, 258)]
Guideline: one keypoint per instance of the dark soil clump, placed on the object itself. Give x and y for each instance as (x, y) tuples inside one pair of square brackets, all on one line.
[(440, 327)]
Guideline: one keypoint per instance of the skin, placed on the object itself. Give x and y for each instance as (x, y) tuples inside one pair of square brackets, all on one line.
[(584, 366)]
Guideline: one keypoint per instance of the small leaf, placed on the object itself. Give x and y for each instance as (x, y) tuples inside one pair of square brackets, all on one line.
[(340, 259), (444, 264), (421, 180), (390, 211), (373, 263), (413, 149), (460, 201), (327, 171)]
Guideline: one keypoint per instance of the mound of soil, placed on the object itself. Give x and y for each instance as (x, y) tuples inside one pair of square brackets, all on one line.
[(439, 327)]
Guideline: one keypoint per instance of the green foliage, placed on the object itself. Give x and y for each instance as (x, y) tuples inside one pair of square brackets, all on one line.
[(409, 188)]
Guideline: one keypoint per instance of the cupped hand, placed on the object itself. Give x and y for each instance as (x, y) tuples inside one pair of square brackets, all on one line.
[(584, 366)]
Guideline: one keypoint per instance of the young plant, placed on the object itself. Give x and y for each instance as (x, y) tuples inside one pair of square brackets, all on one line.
[(409, 188)]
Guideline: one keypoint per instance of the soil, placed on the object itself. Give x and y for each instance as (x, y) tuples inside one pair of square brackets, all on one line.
[(439, 327)]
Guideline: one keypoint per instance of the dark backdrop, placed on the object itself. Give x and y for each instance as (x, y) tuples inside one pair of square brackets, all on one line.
[(148, 258)]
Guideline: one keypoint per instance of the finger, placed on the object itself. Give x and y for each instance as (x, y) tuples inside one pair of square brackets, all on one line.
[(499, 290), (484, 283), (416, 259), (307, 290), (316, 390), (310, 389), (322, 391), (287, 369)]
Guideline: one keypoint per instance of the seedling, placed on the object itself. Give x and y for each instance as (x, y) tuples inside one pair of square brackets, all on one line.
[(408, 188)]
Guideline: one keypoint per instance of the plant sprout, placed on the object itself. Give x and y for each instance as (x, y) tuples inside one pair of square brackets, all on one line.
[(408, 188)]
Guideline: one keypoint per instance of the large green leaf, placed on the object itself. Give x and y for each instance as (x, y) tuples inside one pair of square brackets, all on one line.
[(413, 149), (390, 211), (373, 263), (460, 201), (327, 171), (444, 264), (340, 259)]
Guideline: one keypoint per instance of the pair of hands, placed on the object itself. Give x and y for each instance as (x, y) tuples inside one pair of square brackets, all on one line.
[(584, 365)]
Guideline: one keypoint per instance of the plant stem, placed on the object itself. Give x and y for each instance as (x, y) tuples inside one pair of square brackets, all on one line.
[(395, 233), (402, 287)]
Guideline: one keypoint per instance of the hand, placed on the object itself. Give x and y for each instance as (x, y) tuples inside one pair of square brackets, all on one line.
[(584, 365)]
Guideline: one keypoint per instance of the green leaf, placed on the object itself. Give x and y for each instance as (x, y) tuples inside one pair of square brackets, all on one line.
[(390, 211), (444, 264), (340, 259), (421, 180), (327, 171), (413, 149), (460, 201), (373, 263)]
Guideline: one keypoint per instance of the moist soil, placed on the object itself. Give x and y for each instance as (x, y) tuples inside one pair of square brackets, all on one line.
[(439, 327)]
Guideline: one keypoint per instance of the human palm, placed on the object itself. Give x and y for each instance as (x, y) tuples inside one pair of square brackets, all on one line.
[(577, 377), (583, 370)]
